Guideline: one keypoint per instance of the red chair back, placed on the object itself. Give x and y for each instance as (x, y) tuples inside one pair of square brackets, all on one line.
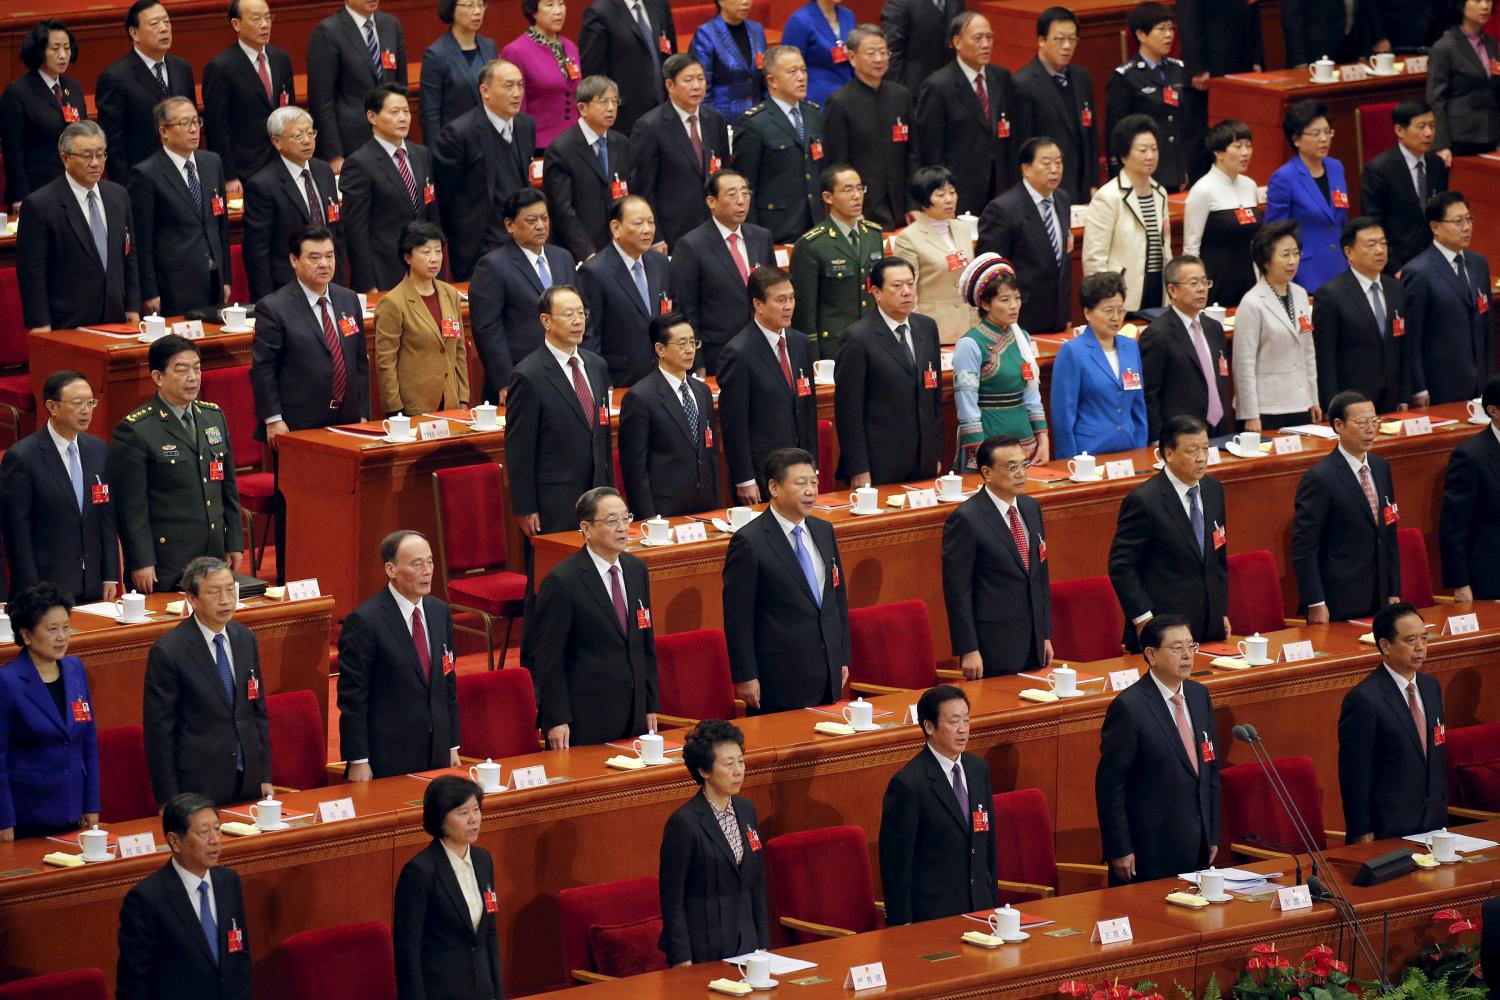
[(230, 389), (1023, 841), (299, 750), (80, 984), (823, 876), (1087, 622), (14, 348), (692, 669), (1249, 805), (1416, 572), (607, 904), (350, 962), (124, 778), (827, 467), (1377, 129), (473, 534), (499, 712), (1470, 748), (1254, 592), (239, 288), (891, 644)]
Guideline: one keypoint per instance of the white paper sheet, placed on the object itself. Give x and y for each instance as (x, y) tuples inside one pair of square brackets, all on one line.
[(1461, 843), (1311, 430)]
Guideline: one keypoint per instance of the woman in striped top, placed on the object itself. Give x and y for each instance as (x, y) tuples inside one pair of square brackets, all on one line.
[(1127, 229)]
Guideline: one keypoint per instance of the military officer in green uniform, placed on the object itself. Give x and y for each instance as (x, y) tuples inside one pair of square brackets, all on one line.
[(778, 145), (831, 263), (171, 470), (1153, 83)]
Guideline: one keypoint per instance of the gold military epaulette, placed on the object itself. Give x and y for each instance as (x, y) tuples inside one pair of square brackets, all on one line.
[(211, 406), (135, 415)]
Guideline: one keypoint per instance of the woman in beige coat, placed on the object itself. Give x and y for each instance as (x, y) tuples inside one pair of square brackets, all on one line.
[(420, 362), (1127, 229), (938, 246)]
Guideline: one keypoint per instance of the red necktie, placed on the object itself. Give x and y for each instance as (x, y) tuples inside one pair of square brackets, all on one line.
[(581, 387), (419, 639), (786, 364), (406, 177), (336, 353), (1369, 488), (1417, 717), (739, 258), (695, 137), (265, 76), (57, 93), (982, 94), (1020, 536), (1184, 729), (617, 594)]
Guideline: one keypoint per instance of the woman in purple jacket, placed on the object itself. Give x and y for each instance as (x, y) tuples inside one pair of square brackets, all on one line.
[(549, 63)]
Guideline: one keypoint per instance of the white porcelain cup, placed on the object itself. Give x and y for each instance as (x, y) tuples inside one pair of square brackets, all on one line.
[(266, 813), (1444, 845), (1321, 70), (5, 633), (1254, 647), (1248, 442), (823, 370), (486, 775), (1216, 312), (4, 222), (95, 844), (1211, 883), (132, 607), (233, 316), (756, 969), (1063, 680), (658, 529), (1476, 409), (951, 486), (740, 516), (866, 500), (1005, 921), (153, 326), (859, 713), (650, 748), (1082, 466), (1383, 62), (485, 417), (397, 428)]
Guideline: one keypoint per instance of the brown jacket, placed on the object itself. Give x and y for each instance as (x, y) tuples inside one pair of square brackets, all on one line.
[(417, 368)]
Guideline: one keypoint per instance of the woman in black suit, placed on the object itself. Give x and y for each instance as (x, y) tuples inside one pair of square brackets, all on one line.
[(1461, 90), (36, 107), (713, 881), (444, 931)]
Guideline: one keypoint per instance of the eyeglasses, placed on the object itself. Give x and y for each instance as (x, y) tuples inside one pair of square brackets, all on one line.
[(853, 189), (1461, 221), (1195, 283), (90, 157), (681, 344), (607, 102), (616, 520), (1318, 133), (1178, 648), (1365, 423), (191, 124), (1015, 467), (302, 136), (80, 404)]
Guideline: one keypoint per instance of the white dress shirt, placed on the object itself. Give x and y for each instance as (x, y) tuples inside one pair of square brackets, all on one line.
[(505, 126), (213, 654), (151, 65), (62, 445), (190, 882), (1402, 684), (1005, 507), (946, 763), (359, 22), (254, 56), (563, 357), (1168, 694), (81, 194), (589, 135), (468, 881), (390, 150), (1411, 169), (1365, 284), (181, 162), (819, 569), (603, 566)]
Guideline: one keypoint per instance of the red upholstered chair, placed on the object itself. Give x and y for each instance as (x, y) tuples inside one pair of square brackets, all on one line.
[(1087, 622), (17, 402), (1474, 771), (820, 881), (1416, 573), (1248, 805), (239, 288), (349, 962), (692, 671), (1374, 129), (610, 930), (1026, 863), (81, 984), (827, 467), (299, 750), (124, 779), (891, 649), (471, 546), (1255, 593), (230, 389), (499, 712)]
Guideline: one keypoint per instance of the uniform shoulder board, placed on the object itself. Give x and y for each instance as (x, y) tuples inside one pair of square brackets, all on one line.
[(815, 231), (206, 404), (138, 413), (756, 110), (1175, 61), (1124, 68), (870, 226)]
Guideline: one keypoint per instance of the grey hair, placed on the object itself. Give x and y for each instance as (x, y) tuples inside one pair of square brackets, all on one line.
[(199, 570), (591, 88), (160, 115), (858, 36), (1174, 267), (587, 507), (774, 55), (78, 130), (283, 118)]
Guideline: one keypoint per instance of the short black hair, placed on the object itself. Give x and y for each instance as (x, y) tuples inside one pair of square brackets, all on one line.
[(443, 795), (1095, 288), (780, 462), (763, 279), (960, 22), (1263, 243), (829, 178), (1299, 116), (678, 63), (1156, 629), (984, 457), (1355, 226), (930, 705), (1383, 627), (1438, 204), (177, 814), (1180, 426), (618, 206), (1122, 136), (445, 10), (518, 200), (587, 506), (58, 381), (390, 545), (1225, 134), (545, 300), (1051, 16), (928, 181), (234, 10), (1339, 405), (1032, 146), (307, 234), (529, 9), (1146, 16), (1405, 111), (34, 45), (884, 264), (30, 605), (416, 234), (163, 350), (662, 326), (711, 186), (133, 14), (377, 95), (1491, 395), (700, 748)]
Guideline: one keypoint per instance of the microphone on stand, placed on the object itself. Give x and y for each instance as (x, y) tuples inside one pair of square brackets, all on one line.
[(1314, 884)]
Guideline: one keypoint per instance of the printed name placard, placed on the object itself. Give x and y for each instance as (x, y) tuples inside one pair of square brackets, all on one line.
[(528, 777), (189, 329), (1354, 71), (783, 257), (917, 499), (1416, 64), (1463, 624), (1416, 426), (137, 845), (1292, 652), (692, 531), (332, 812), (434, 430), (1120, 468), (1119, 680), (910, 718), (303, 590), (1292, 897), (1112, 931), (1286, 444), (864, 977), (1214, 458)]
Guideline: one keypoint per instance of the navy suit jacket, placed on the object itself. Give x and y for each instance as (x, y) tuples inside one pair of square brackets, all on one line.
[(449, 86), (759, 411), (578, 192), (181, 242), (1469, 525), (46, 536), (1059, 113), (890, 422), (49, 766), (1353, 352), (476, 171), (291, 369), (1174, 375), (162, 949), (1012, 226), (503, 315), (1341, 555), (63, 282), (1453, 346), (125, 96), (619, 322), (340, 72), (276, 207), (707, 287), (997, 605), (669, 468), (667, 172), (235, 107), (1293, 194), (1092, 410), (610, 43), (377, 207), (1390, 788)]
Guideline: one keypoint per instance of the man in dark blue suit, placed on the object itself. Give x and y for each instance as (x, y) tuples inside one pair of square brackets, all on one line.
[(241, 86), (624, 286), (627, 41), (351, 50), (1015, 225), (1448, 306), (295, 189), (676, 145), (586, 169), (1469, 524), (129, 88)]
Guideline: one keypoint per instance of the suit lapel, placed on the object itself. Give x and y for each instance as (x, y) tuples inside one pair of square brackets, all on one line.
[(785, 123), (36, 691), (396, 627), (1350, 482), (886, 337), (1310, 187), (1177, 515), (679, 135), (452, 892), (354, 40), (1063, 104), (522, 264), (1157, 707), (1444, 267), (617, 267), (1095, 351), (587, 153), (293, 194), (594, 584), (672, 403), (990, 515), (715, 834), (54, 463), (182, 908), (781, 544), (767, 356), (80, 225), (178, 183), (564, 386), (1398, 706), (942, 789)]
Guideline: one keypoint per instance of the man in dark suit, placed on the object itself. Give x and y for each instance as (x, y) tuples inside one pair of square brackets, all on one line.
[(917, 31), (1156, 789), (888, 386), (398, 680), (182, 928), (1170, 554), (75, 261), (1469, 524), (624, 286), (1218, 37), (292, 191), (766, 399), (55, 509), (594, 645), (1448, 306), (1153, 84), (481, 157), (677, 145), (1060, 97), (867, 123), (182, 217), (241, 86), (971, 117), (627, 41), (937, 838), (507, 282), (1344, 527), (995, 577), (1184, 354), (778, 146), (351, 50), (1393, 761), (1313, 29), (129, 89), (1394, 187), (1029, 225), (669, 457), (712, 266), (204, 710), (386, 183), (786, 602), (586, 168), (1359, 327)]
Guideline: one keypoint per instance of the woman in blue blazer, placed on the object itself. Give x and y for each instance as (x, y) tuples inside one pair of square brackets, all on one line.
[(451, 65), (826, 51), (735, 80), (1309, 190), (1098, 395), (49, 753)]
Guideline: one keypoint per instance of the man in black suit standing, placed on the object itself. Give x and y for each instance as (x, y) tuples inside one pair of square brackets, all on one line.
[(55, 510), (624, 286), (398, 679), (75, 261), (937, 838), (1030, 226), (1359, 327), (481, 157), (182, 928), (129, 88), (204, 709), (586, 169), (1344, 527), (1469, 524), (677, 145), (766, 399), (292, 191), (1170, 553), (182, 216), (1060, 96), (786, 602), (867, 123), (1156, 788), (351, 50), (669, 457), (1393, 761), (1184, 354), (1219, 37), (917, 31), (594, 644), (995, 579), (778, 146), (1313, 29), (1394, 187), (888, 386), (241, 86), (712, 266), (627, 41), (1448, 304)]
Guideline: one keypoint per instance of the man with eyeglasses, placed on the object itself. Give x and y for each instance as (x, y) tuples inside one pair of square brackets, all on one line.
[(833, 261), (181, 216), (625, 287), (351, 50), (1183, 351), (1448, 308), (241, 86), (586, 169), (1060, 95), (868, 123), (1156, 789), (1395, 186), (294, 190), (129, 89)]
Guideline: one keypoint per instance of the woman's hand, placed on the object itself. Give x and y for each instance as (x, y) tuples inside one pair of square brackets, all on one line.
[(89, 821), (1043, 453), (1316, 414)]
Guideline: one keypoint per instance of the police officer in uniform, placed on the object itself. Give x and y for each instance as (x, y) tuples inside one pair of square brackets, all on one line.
[(777, 146), (171, 469), (1153, 83), (831, 263)]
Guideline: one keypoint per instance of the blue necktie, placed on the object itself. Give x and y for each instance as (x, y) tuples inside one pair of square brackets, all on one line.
[(225, 674), (543, 272), (1195, 515), (805, 559), (371, 46), (99, 230), (960, 790), (160, 70), (602, 148), (638, 272), (194, 188), (75, 473), (797, 123), (690, 407), (206, 920), (644, 25)]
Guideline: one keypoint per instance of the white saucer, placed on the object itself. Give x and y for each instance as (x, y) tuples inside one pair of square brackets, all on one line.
[(1234, 450), (273, 829), (1221, 898), (133, 621), (1076, 694), (1095, 478), (1017, 938), (1258, 663), (1479, 421), (866, 729), (958, 499), (822, 381), (146, 338), (390, 440), (1375, 72), (95, 861), (769, 985), (651, 545), (865, 513), (236, 329)]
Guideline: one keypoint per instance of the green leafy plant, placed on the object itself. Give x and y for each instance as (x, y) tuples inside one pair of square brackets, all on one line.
[(1453, 960)]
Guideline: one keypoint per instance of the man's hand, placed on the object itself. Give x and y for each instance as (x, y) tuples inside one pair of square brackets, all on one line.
[(1228, 628), (89, 821), (359, 772), (530, 524), (972, 664), (843, 678), (336, 164), (748, 494), (1043, 453), (1142, 623), (111, 588), (1200, 82), (557, 737), (1384, 45), (1393, 599), (1252, 425), (8, 835), (1421, 400), (863, 479), (267, 790), (1317, 615), (660, 246), (453, 760), (1316, 414), (152, 305), (681, 964), (130, 317), (1124, 868), (748, 692), (228, 291), (650, 722), (233, 559), (1446, 155), (1046, 653), (48, 329), (1363, 838), (274, 430), (1463, 595), (143, 579), (1213, 850), (501, 400), (233, 189)]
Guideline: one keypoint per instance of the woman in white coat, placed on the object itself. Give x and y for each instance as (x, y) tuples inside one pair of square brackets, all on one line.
[(1127, 229), (1275, 366)]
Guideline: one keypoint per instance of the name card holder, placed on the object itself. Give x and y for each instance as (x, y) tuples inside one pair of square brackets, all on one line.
[(1120, 468), (332, 812), (1292, 897), (528, 777), (1286, 444), (1119, 680), (135, 845), (189, 329), (1416, 64), (1214, 456), (692, 531), (1112, 931), (303, 590), (1461, 624), (1416, 426), (917, 499), (434, 430), (783, 257), (1293, 652), (865, 977), (910, 718), (1354, 71)]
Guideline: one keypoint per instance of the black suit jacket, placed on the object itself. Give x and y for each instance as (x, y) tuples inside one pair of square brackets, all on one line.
[(858, 129), (1352, 351), (125, 95), (62, 281), (1453, 343), (1220, 36), (193, 733), (340, 72), (439, 951), (1469, 525), (1156, 565), (890, 422), (707, 287), (377, 206), (552, 450), (291, 369), (503, 295), (619, 323), (1342, 557), (669, 467), (610, 43), (31, 119), (1390, 788), (711, 907), (782, 169), (236, 105), (758, 410), (776, 633), (578, 192), (182, 244), (996, 605), (954, 130), (162, 949), (389, 713), (276, 207), (933, 862), (476, 171), (1061, 113), (917, 32), (1315, 28), (668, 173), (1011, 225), (1387, 192), (1149, 801), (46, 536), (1174, 378)]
